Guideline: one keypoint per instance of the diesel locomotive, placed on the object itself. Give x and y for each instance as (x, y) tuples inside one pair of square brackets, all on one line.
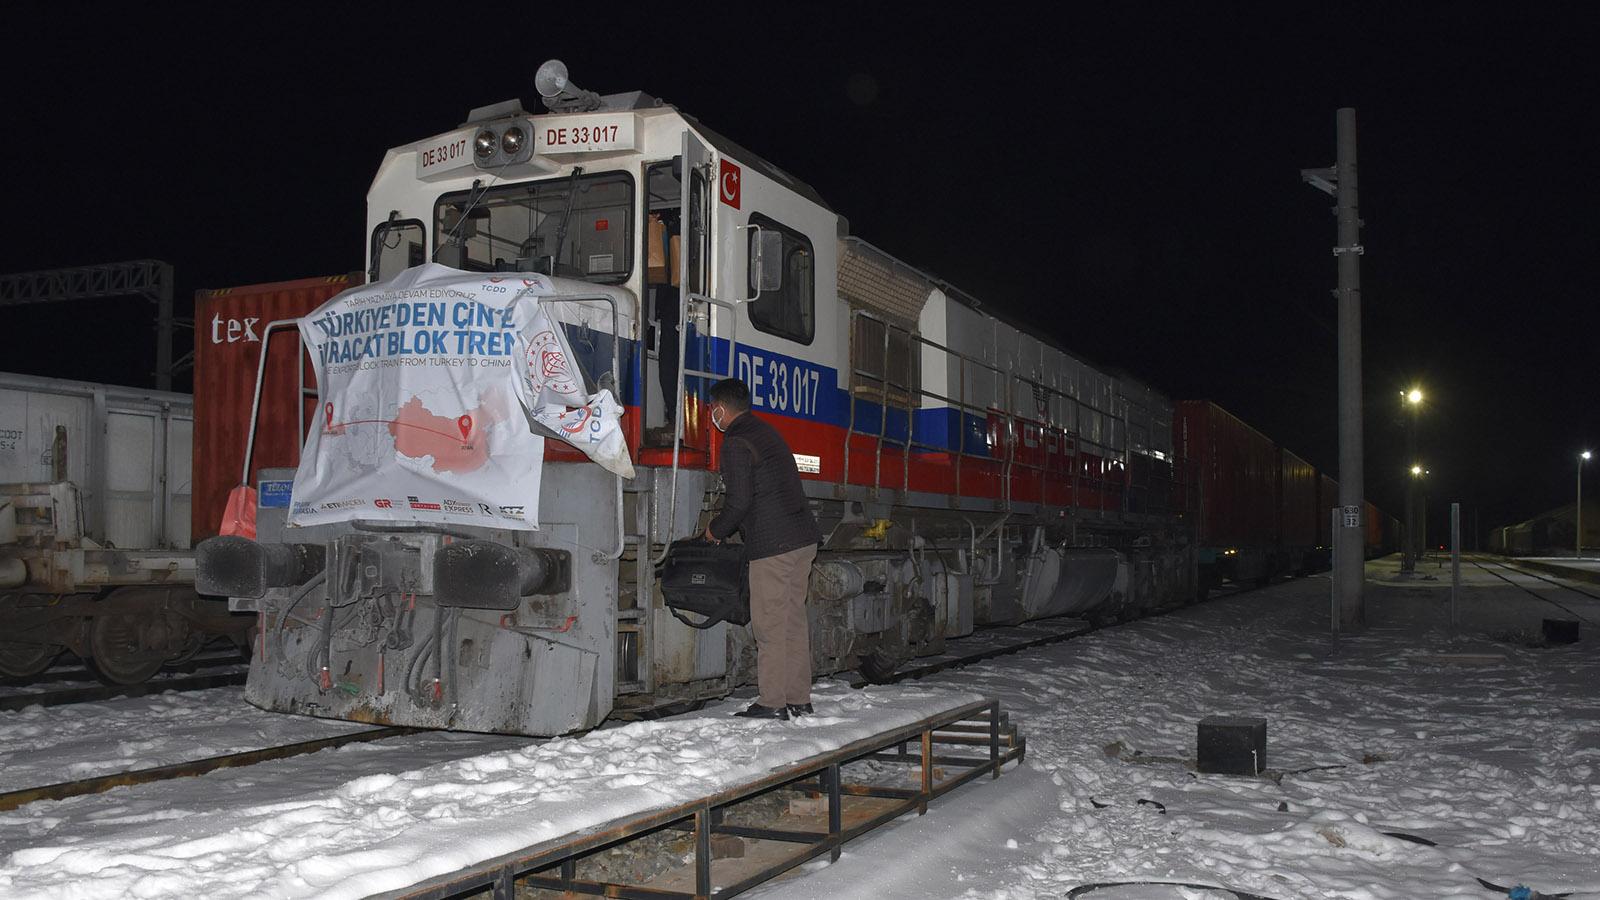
[(965, 470)]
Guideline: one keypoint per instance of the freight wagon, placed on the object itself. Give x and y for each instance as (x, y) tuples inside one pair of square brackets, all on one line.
[(1263, 511), (95, 488), (1260, 506)]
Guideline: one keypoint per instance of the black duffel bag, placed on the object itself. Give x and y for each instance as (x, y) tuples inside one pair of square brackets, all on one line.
[(711, 580)]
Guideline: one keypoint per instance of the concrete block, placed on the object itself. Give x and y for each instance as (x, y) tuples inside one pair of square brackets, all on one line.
[(1232, 745)]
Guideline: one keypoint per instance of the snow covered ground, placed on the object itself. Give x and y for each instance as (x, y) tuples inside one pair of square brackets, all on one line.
[(1487, 747), (368, 830), (1497, 760), (42, 745)]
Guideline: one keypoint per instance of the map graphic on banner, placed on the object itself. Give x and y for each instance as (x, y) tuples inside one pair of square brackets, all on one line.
[(427, 387)]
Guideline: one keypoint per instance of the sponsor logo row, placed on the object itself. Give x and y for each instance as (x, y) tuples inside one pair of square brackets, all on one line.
[(454, 507)]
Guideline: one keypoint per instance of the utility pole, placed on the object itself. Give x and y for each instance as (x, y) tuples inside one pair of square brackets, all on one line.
[(1408, 543), (1409, 548), (1349, 541), (1455, 561), (1578, 509)]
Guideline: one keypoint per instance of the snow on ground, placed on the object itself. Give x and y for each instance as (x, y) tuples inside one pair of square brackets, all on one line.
[(1497, 762), (387, 830), (42, 745), (125, 810), (1487, 747)]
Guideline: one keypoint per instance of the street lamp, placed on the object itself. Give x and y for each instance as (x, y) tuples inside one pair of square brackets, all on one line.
[(1578, 510), (1412, 400)]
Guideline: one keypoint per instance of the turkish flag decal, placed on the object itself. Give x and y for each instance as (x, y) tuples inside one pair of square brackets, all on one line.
[(728, 184)]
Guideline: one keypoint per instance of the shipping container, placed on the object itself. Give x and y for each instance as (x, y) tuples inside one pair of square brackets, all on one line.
[(230, 329), (1236, 470), (1327, 502), (1298, 511), (126, 450), (95, 512)]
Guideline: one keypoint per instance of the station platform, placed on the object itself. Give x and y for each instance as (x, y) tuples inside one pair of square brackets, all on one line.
[(1584, 569)]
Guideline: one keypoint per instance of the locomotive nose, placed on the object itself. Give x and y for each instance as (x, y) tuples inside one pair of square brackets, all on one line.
[(232, 566)]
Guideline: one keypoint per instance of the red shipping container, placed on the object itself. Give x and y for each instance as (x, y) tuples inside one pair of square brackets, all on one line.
[(229, 326), (1376, 523), (1298, 490), (1236, 468), (1327, 502)]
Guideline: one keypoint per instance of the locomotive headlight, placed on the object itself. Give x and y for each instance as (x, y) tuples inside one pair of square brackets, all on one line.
[(512, 142), (484, 144)]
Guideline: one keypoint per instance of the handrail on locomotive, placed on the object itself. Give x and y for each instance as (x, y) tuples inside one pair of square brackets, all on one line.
[(916, 393)]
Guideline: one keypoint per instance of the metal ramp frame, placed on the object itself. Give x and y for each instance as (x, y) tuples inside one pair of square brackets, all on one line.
[(939, 749)]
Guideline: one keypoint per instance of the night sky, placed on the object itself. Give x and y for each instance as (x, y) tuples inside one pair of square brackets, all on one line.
[(1127, 182)]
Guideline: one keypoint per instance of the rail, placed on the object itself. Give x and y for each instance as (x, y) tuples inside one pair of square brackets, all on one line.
[(552, 864), (13, 799), (94, 693)]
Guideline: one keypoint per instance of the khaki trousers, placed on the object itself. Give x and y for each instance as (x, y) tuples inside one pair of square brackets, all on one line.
[(778, 620)]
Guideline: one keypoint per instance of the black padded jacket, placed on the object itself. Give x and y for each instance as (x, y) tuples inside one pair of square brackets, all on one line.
[(763, 498)]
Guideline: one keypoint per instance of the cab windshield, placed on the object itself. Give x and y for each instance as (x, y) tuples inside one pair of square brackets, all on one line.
[(574, 228)]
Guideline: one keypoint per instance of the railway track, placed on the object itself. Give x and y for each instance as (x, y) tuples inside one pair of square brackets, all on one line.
[(98, 692), (1526, 588), (79, 671), (1054, 631), (1069, 628), (81, 684), (14, 799)]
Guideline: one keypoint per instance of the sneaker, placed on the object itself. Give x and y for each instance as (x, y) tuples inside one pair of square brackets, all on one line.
[(796, 710), (757, 711)]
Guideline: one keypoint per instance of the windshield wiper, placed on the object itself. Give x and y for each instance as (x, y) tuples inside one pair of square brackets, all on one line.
[(561, 231)]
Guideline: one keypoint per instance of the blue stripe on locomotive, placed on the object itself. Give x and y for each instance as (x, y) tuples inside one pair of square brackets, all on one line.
[(788, 386)]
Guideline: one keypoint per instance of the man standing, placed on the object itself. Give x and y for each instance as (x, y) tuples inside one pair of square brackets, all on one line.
[(763, 499)]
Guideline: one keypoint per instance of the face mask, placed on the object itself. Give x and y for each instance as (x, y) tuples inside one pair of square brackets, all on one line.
[(716, 422)]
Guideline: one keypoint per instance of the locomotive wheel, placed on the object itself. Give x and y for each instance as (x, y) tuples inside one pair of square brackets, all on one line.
[(26, 660), (876, 666), (118, 650)]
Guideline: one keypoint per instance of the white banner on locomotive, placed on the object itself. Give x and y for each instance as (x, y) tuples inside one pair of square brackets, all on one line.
[(428, 386)]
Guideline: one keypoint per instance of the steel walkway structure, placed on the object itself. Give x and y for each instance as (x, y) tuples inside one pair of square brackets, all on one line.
[(943, 751)]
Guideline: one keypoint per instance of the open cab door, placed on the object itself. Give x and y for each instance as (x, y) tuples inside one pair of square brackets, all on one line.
[(705, 359)]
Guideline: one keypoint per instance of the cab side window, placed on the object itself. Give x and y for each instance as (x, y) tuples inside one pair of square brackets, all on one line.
[(396, 246), (790, 311)]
